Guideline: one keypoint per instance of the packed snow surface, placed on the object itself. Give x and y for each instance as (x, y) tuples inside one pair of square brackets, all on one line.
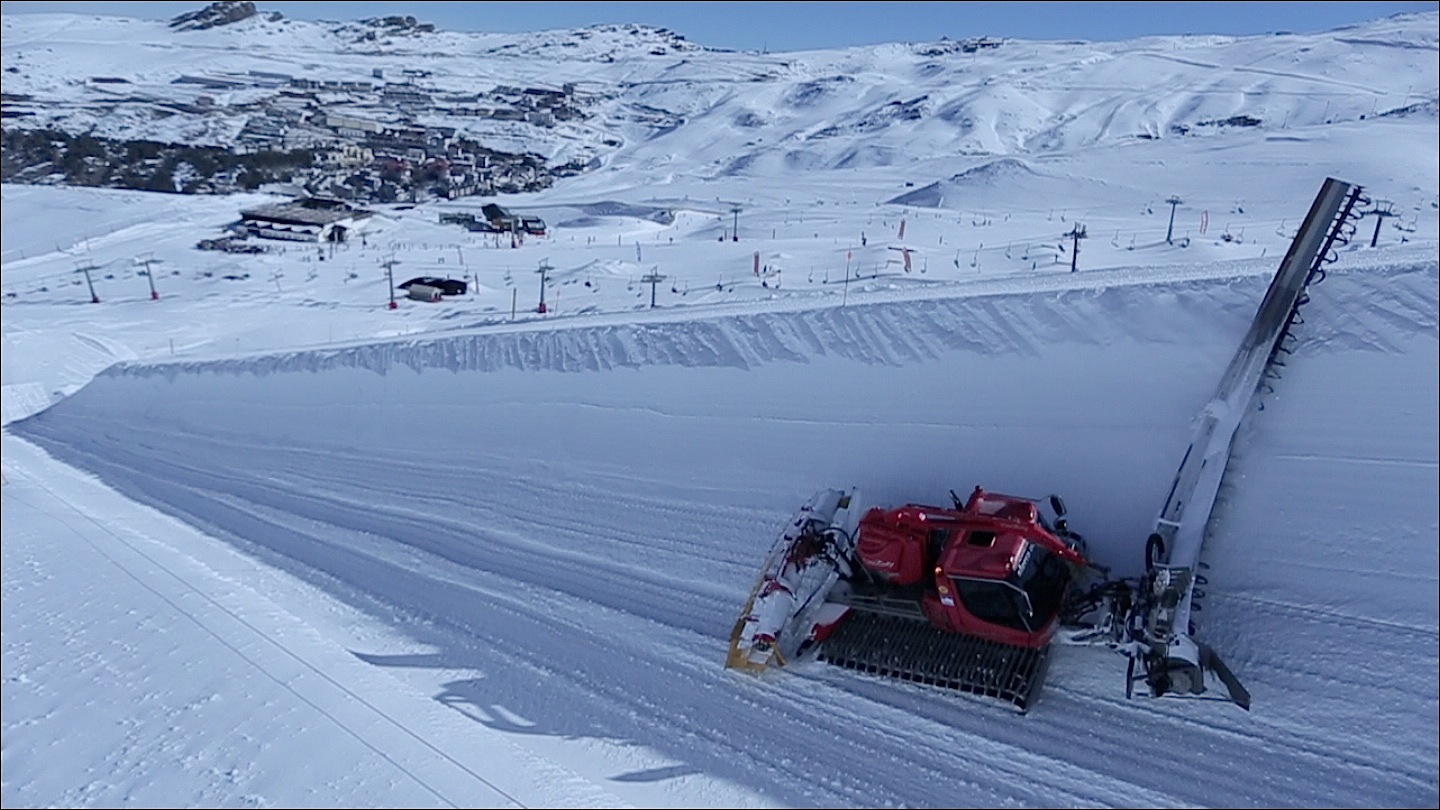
[(270, 542)]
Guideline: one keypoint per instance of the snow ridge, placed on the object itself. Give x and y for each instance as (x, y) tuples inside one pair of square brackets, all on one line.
[(888, 333), (1395, 299)]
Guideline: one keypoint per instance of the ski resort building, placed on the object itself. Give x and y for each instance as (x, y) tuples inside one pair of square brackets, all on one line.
[(311, 219)]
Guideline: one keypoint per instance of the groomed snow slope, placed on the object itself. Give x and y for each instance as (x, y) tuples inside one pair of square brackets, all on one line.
[(549, 513), (301, 548)]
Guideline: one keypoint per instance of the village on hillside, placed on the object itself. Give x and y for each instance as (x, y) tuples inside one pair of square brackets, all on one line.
[(364, 139)]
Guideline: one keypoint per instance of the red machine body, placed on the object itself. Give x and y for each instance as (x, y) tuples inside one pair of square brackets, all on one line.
[(992, 569)]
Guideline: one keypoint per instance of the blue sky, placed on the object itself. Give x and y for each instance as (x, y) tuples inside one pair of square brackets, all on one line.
[(802, 26)]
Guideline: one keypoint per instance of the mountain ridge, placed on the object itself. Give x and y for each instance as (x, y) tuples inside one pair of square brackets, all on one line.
[(624, 90)]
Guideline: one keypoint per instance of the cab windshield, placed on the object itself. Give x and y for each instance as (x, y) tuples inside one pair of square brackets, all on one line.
[(1042, 575), (1025, 600)]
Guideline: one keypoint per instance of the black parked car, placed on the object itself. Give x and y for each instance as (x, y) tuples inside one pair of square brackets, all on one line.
[(447, 286)]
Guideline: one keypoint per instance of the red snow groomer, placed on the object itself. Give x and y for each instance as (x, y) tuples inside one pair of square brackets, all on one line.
[(967, 597), (993, 568), (970, 597)]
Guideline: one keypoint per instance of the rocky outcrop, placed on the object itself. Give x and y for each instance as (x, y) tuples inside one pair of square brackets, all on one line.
[(219, 13)]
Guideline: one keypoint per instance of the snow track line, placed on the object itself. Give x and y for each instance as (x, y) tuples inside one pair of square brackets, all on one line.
[(1326, 758), (259, 666), (362, 471), (1377, 461), (526, 561), (542, 664), (688, 668), (1319, 610), (1104, 740), (601, 688), (846, 423), (521, 554), (965, 723)]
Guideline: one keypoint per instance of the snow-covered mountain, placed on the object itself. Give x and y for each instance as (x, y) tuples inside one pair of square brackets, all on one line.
[(645, 91), (276, 535)]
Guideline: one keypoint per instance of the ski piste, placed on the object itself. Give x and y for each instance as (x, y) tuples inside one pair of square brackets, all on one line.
[(969, 597)]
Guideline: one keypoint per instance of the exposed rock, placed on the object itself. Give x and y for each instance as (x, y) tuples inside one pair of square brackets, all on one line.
[(219, 13), (396, 24)]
